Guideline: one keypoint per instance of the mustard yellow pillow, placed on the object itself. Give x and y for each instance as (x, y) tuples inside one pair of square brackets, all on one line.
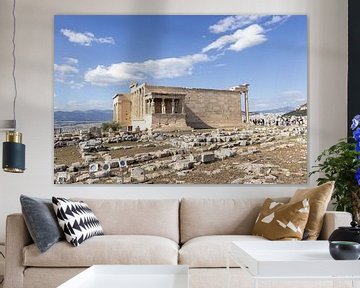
[(279, 221), (319, 198)]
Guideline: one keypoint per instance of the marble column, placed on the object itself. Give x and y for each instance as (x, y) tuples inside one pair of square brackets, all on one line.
[(152, 106), (163, 108), (247, 107), (173, 106)]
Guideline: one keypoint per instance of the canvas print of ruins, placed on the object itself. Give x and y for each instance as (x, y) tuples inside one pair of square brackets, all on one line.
[(211, 99)]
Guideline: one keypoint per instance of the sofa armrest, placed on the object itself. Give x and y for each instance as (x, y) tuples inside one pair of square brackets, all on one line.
[(333, 220), (17, 237)]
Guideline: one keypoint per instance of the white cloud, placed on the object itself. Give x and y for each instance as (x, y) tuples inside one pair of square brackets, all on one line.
[(121, 73), (75, 85), (277, 19), (65, 72), (239, 40), (235, 22), (71, 61), (85, 38), (65, 69)]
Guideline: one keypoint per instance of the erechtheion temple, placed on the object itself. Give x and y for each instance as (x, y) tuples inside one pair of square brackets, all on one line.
[(179, 108)]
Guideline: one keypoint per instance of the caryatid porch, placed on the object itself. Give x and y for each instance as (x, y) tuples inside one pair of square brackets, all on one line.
[(165, 103), (165, 109)]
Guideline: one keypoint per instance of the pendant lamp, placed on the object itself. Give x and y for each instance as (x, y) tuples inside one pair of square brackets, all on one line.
[(13, 157)]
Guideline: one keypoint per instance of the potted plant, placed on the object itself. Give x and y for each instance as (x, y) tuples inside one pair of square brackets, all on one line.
[(341, 163)]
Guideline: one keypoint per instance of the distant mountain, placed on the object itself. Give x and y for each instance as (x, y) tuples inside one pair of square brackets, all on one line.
[(285, 109), (84, 116), (299, 111)]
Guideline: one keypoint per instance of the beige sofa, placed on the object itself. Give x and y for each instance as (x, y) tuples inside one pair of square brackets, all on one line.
[(194, 232)]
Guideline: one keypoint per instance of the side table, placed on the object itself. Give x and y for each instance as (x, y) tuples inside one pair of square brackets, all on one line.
[(293, 264)]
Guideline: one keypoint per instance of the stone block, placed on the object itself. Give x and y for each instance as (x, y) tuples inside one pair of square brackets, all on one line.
[(195, 158), (150, 168), (213, 147), (114, 163), (224, 153), (183, 165), (101, 174), (60, 168), (183, 173), (142, 157), (163, 153), (89, 159), (137, 174), (75, 167), (130, 160), (177, 157), (82, 177), (207, 157), (92, 181)]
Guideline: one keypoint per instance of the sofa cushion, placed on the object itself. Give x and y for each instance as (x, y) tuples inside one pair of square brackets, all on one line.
[(319, 198), (107, 249), (201, 217), (41, 221), (211, 251), (77, 220), (279, 221), (158, 217)]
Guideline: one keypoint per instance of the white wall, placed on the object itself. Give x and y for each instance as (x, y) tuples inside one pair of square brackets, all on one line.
[(327, 89)]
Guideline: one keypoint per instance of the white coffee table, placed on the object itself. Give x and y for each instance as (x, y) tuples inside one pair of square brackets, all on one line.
[(292, 260), (131, 276)]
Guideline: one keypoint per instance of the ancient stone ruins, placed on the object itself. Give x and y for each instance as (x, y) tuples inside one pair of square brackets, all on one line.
[(253, 155), (177, 108), (186, 136)]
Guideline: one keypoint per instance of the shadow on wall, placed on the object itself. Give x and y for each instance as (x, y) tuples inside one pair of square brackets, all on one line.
[(194, 121)]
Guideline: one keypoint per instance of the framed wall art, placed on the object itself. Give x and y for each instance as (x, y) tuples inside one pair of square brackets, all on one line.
[(210, 99)]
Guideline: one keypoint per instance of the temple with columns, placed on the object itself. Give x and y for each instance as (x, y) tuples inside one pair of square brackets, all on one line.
[(179, 108)]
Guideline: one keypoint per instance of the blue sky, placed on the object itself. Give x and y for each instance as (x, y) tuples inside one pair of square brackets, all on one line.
[(96, 57)]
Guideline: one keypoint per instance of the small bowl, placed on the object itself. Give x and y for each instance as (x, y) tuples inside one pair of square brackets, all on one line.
[(344, 250)]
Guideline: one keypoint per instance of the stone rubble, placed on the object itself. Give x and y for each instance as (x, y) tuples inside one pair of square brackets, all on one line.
[(188, 152)]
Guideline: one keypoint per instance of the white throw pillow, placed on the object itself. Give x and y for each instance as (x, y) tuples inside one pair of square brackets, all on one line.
[(76, 220)]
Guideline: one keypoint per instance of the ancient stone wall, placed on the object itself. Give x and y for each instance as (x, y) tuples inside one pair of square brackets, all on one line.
[(169, 122), (207, 108), (122, 110), (212, 108)]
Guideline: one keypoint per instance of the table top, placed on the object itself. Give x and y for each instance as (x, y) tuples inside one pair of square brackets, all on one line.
[(131, 276), (291, 259)]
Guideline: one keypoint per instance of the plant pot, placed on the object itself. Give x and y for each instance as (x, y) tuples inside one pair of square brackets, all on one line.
[(343, 250)]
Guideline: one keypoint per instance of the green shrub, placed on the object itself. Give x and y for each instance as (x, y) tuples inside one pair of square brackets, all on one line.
[(339, 163), (113, 125)]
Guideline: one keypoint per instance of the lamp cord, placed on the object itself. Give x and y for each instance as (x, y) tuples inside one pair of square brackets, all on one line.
[(2, 280), (14, 61)]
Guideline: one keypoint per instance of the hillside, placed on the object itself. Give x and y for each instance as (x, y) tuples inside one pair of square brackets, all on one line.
[(83, 116), (300, 111), (285, 109)]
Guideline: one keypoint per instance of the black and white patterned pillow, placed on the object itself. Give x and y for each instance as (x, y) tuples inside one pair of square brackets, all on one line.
[(77, 220)]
